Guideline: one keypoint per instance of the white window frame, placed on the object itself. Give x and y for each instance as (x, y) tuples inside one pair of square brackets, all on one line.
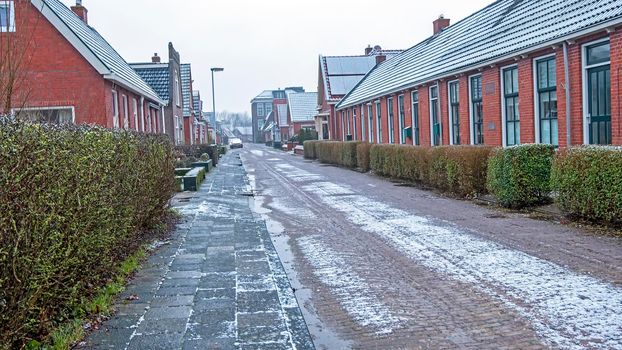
[(536, 102), (135, 111), (363, 128), (115, 109), (16, 111), (412, 115), (370, 122), (450, 115), (260, 114), (471, 116), (353, 123), (126, 112), (378, 121), (390, 121), (343, 126), (440, 115), (504, 128), (10, 28), (178, 130), (177, 89), (401, 119), (584, 69)]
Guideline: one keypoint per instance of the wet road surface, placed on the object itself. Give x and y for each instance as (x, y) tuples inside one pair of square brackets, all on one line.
[(376, 265)]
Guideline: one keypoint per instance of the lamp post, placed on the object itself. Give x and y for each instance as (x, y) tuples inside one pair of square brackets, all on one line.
[(214, 69)]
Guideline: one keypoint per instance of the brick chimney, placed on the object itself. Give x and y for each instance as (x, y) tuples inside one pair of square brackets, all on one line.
[(440, 24), (156, 58), (81, 11), (368, 50), (380, 58)]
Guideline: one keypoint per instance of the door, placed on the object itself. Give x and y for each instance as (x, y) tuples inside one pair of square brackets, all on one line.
[(599, 104)]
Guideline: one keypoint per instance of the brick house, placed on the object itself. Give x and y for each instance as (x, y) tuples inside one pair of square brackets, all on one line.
[(71, 74), (301, 110), (514, 72), (337, 75), (261, 107), (265, 110), (201, 128), (165, 80), (190, 121)]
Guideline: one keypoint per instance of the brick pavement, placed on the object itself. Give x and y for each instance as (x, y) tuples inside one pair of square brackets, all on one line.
[(217, 284)]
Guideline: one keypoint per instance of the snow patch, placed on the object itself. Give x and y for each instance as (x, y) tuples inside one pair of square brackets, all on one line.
[(352, 291)]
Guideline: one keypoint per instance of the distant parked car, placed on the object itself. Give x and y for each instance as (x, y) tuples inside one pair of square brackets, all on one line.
[(235, 143)]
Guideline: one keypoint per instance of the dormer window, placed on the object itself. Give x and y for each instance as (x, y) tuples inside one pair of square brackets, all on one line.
[(7, 16)]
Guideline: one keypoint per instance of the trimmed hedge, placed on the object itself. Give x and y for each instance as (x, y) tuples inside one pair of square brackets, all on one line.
[(338, 153), (309, 148), (362, 155), (74, 203), (460, 170), (197, 152), (520, 176), (588, 182)]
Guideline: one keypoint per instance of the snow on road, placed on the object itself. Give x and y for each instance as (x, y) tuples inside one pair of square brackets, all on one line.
[(352, 291), (567, 309)]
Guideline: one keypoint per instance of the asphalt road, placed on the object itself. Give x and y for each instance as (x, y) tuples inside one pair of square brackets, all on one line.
[(378, 265)]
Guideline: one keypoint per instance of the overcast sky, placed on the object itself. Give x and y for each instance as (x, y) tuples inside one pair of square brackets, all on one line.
[(263, 44)]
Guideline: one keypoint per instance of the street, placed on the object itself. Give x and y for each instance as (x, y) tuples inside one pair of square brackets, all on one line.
[(376, 264)]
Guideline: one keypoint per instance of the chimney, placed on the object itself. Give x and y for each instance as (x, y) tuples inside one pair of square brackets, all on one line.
[(380, 58), (368, 50), (81, 11), (440, 24), (156, 58)]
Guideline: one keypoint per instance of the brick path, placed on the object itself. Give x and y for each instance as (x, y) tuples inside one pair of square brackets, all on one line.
[(217, 284)]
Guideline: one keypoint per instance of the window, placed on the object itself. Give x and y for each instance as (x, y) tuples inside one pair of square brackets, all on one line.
[(260, 111), (354, 124), (115, 109), (511, 113), (126, 113), (348, 125), (434, 116), (177, 90), (597, 82), (363, 131), (378, 122), (135, 111), (401, 116), (7, 16), (268, 108), (48, 115), (546, 90), (343, 126), (391, 121), (454, 112), (370, 116), (415, 116), (477, 113)]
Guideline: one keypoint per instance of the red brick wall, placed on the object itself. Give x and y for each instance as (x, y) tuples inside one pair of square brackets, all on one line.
[(465, 121), (424, 115), (526, 101), (444, 111), (492, 106), (616, 81)]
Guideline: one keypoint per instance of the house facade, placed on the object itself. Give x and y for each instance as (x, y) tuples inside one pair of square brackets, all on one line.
[(189, 120), (261, 107), (165, 80), (75, 75), (514, 72), (337, 75), (301, 111)]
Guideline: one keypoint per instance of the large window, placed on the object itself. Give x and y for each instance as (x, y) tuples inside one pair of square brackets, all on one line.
[(391, 121), (260, 111), (454, 112), (378, 122), (348, 126), (435, 120), (546, 83), (343, 126), (415, 116), (48, 115), (135, 111), (363, 128), (177, 90), (126, 113), (370, 116), (510, 104), (402, 122), (477, 113), (598, 85), (115, 109), (268, 108), (7, 16), (354, 124)]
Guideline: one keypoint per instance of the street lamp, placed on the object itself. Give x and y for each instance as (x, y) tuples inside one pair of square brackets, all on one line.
[(214, 69)]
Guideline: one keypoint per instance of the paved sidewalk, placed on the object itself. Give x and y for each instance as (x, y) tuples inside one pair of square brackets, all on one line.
[(217, 284)]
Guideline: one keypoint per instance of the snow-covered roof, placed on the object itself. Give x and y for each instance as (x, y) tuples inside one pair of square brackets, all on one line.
[(302, 106), (500, 30), (94, 48), (265, 95), (244, 130)]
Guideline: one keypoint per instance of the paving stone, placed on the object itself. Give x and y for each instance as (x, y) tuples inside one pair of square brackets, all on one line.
[(168, 301), (162, 326), (157, 313), (156, 342)]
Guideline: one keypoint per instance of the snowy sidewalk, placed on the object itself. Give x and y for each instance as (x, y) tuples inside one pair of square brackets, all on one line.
[(219, 284)]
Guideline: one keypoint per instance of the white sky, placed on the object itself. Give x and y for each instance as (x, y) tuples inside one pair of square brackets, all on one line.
[(266, 44)]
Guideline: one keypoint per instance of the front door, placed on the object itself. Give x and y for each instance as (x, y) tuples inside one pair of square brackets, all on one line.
[(599, 104)]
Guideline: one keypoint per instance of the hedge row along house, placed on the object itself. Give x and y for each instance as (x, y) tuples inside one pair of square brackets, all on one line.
[(337, 76), (515, 72), (56, 68)]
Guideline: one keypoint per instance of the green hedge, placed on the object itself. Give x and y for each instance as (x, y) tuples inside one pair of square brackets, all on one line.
[(588, 182), (196, 152), (460, 170), (309, 148), (74, 203), (362, 155), (520, 176), (338, 153)]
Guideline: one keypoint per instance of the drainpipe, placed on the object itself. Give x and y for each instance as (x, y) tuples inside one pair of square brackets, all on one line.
[(567, 88)]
